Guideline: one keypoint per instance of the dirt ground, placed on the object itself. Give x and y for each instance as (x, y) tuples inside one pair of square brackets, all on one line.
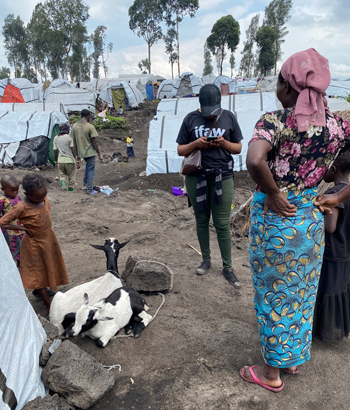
[(189, 357)]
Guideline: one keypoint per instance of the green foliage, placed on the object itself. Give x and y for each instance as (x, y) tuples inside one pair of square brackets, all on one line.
[(15, 42), (265, 39), (170, 47), (145, 17), (224, 34), (117, 123), (277, 13), (208, 68), (348, 99), (174, 12), (232, 63), (4, 72), (248, 60), (143, 65)]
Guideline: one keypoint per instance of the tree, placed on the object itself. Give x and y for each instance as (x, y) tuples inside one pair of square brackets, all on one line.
[(208, 68), (277, 13), (96, 40), (67, 19), (265, 39), (248, 61), (144, 66), (232, 63), (4, 72), (15, 42), (30, 74), (169, 40), (224, 34), (145, 17), (174, 12)]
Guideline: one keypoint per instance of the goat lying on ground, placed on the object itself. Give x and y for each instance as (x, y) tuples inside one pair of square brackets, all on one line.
[(124, 307), (70, 301)]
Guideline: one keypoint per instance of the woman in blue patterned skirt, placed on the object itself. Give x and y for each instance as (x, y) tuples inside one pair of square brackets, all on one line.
[(289, 153)]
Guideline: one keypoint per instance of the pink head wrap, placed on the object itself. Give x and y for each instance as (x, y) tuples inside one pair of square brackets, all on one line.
[(308, 73)]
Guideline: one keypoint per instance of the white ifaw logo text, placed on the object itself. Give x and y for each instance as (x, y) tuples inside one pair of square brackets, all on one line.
[(202, 132)]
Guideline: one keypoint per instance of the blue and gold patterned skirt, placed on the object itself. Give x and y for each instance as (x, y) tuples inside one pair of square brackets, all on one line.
[(286, 259)]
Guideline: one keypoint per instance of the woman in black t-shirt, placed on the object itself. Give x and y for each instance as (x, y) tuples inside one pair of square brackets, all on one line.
[(332, 312), (211, 189)]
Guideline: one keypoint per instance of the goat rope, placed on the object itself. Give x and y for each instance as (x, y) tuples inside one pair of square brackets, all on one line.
[(153, 317)]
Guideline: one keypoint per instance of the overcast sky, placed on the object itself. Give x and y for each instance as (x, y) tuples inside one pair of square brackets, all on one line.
[(321, 24)]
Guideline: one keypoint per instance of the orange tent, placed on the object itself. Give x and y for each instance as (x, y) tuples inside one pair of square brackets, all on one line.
[(12, 94)]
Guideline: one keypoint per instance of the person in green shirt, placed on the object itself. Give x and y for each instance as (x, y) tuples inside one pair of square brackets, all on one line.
[(84, 135)]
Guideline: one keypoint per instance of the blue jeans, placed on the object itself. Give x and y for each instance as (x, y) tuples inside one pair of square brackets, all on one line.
[(89, 173)]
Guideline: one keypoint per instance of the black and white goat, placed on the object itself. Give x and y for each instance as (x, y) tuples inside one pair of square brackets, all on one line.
[(70, 301), (124, 307)]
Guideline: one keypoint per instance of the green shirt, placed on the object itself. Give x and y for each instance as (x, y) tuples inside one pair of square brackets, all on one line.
[(82, 132)]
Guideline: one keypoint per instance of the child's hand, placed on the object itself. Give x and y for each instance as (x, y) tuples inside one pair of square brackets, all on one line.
[(27, 231)]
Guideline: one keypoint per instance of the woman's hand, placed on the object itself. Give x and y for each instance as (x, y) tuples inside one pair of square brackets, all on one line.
[(326, 202), (78, 164), (279, 204), (218, 142), (202, 143)]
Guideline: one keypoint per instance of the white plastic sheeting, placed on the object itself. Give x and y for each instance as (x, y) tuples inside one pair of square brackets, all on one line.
[(58, 83), (73, 99), (236, 102), (19, 126), (223, 79), (22, 338), (339, 89), (186, 84), (165, 89), (337, 104), (29, 91), (209, 78), (39, 107), (133, 95), (103, 83)]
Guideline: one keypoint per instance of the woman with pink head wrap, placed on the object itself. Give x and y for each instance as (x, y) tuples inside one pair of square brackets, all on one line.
[(288, 156)]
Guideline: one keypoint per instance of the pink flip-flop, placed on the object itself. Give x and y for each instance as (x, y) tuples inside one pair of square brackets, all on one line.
[(288, 371), (260, 383)]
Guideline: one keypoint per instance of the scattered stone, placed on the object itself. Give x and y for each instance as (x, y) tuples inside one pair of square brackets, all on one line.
[(50, 329), (45, 354), (106, 158), (142, 174), (54, 402), (147, 275), (77, 376), (120, 156)]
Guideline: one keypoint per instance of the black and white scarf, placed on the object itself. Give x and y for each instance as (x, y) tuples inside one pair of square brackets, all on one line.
[(201, 188)]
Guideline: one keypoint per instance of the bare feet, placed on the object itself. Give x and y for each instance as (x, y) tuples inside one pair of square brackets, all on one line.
[(266, 374)]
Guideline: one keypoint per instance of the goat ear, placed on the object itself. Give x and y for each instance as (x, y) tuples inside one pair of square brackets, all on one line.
[(121, 245), (86, 299), (104, 318), (99, 247)]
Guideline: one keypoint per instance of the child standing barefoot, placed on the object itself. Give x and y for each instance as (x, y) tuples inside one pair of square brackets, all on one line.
[(42, 264), (10, 198), (332, 309)]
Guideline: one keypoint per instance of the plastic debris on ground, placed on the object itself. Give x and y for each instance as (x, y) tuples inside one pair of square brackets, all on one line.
[(178, 191), (106, 189), (56, 343)]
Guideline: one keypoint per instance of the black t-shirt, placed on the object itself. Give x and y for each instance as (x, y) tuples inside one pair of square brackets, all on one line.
[(338, 243), (195, 126)]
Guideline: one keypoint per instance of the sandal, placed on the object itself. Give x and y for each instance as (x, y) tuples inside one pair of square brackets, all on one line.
[(260, 383)]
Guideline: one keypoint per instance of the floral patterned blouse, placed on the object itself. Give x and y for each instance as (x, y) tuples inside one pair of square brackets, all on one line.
[(300, 160)]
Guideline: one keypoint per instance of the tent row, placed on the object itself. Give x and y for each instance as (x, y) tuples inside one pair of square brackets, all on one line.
[(163, 130)]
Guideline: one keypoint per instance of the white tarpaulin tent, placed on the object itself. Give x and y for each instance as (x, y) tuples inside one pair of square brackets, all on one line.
[(223, 79), (22, 338), (133, 95), (186, 84), (165, 89), (73, 99), (16, 127), (102, 83), (30, 92), (339, 89), (39, 107), (240, 102), (209, 78), (139, 81)]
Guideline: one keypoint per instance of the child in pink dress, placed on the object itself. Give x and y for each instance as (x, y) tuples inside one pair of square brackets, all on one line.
[(10, 198)]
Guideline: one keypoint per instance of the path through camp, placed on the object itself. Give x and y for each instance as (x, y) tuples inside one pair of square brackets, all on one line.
[(190, 355)]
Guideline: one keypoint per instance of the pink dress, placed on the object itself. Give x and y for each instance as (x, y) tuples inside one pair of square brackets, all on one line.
[(13, 238)]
